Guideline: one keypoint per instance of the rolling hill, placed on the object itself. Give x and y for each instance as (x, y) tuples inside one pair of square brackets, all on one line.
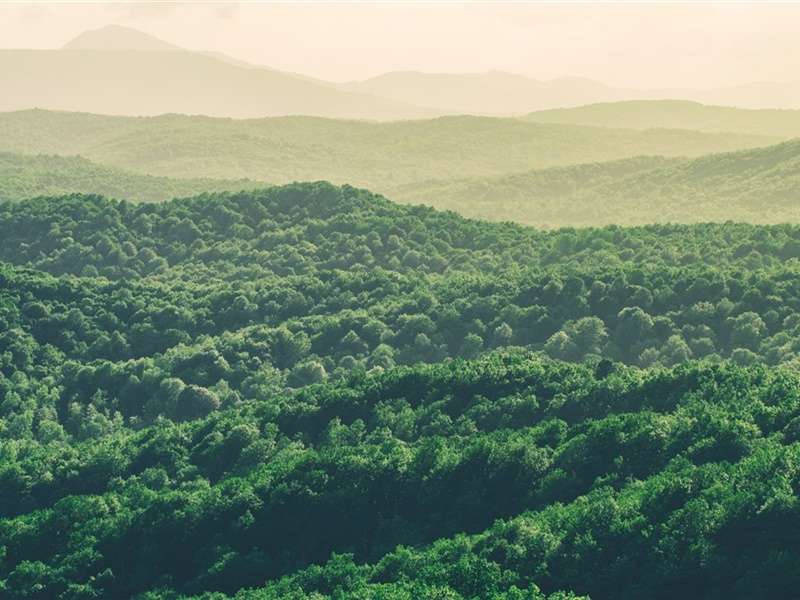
[(676, 114), (755, 186), (309, 391), (379, 156), (23, 176)]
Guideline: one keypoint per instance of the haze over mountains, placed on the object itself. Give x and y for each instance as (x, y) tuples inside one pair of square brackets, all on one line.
[(116, 37), (499, 93), (676, 114), (541, 174), (24, 176), (378, 156), (582, 163), (489, 93), (121, 71), (754, 186)]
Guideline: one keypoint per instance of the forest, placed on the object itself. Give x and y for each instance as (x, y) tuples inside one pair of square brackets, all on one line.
[(310, 391), (425, 301)]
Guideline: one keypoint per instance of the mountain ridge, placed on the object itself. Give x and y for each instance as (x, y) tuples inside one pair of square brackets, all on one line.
[(379, 156), (760, 185), (146, 83), (118, 37)]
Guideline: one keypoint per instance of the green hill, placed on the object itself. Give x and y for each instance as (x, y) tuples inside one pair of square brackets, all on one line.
[(614, 485), (676, 114), (311, 392), (754, 186), (23, 176), (375, 155), (306, 255)]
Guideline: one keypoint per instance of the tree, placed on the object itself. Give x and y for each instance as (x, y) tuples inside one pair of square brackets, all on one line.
[(747, 330), (306, 373), (195, 402)]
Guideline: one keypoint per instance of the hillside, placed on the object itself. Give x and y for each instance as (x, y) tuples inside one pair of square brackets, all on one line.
[(676, 114), (543, 198), (244, 375), (753, 186), (379, 156), (610, 485), (23, 176), (153, 82), (428, 284)]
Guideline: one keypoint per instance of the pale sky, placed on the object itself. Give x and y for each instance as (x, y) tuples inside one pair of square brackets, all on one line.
[(633, 45)]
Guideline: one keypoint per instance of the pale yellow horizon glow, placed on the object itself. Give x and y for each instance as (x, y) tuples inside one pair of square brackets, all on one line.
[(630, 45)]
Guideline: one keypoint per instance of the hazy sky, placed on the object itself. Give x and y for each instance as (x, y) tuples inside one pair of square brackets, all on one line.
[(637, 45)]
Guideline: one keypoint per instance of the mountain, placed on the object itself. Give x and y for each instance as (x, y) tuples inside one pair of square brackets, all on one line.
[(119, 71), (23, 176), (491, 93), (116, 37), (143, 75), (754, 186), (676, 114), (379, 156)]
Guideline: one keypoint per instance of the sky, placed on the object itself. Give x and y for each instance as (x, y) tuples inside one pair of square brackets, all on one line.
[(688, 44)]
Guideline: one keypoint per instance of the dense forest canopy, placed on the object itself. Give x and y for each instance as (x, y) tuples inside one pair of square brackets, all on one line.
[(493, 478), (311, 281), (309, 391)]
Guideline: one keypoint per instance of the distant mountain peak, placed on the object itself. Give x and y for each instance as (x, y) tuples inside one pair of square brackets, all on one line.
[(117, 37)]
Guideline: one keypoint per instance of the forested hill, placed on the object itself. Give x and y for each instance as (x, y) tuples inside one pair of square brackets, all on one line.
[(23, 176), (497, 478), (761, 185), (312, 392), (305, 227), (339, 278), (378, 156)]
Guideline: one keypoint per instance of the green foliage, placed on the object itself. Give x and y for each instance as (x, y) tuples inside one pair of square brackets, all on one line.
[(228, 396), (130, 303), (475, 479)]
